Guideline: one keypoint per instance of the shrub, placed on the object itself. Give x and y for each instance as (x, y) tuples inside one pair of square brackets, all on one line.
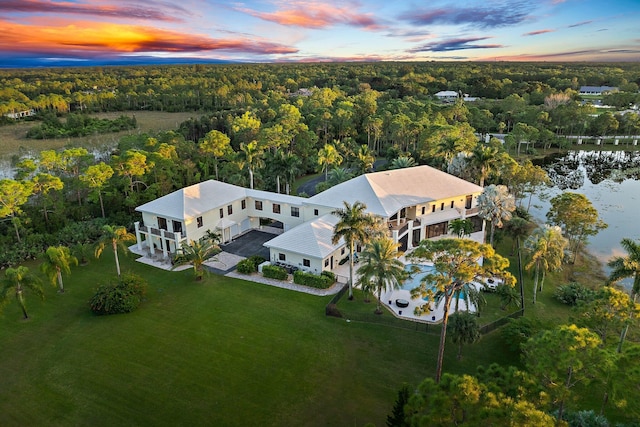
[(573, 293), (256, 260), (246, 266), (123, 296), (330, 274), (274, 272), (322, 281)]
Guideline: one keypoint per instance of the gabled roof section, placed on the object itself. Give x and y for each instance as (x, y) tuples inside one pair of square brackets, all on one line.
[(386, 192), (195, 200), (312, 238)]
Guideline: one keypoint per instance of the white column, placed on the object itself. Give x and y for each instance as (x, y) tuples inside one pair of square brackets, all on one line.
[(165, 253), (579, 141), (617, 141), (635, 142), (138, 236)]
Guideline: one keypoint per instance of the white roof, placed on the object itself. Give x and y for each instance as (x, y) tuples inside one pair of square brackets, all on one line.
[(312, 238), (387, 192), (195, 200), (275, 197), (452, 93)]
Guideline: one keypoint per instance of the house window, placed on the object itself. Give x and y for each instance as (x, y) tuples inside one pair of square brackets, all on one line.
[(467, 204), (199, 221), (433, 208), (177, 226), (229, 209), (306, 262), (221, 213), (162, 223), (315, 212), (276, 208), (282, 257), (435, 230), (258, 205), (342, 251), (243, 204), (452, 204), (424, 209), (295, 211), (442, 206), (326, 262)]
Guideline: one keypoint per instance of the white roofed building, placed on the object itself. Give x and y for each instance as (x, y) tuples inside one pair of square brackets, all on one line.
[(417, 203)]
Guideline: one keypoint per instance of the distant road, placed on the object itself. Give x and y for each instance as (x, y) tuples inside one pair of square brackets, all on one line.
[(309, 187)]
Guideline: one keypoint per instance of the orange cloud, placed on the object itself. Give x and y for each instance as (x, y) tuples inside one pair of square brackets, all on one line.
[(85, 36), (317, 15)]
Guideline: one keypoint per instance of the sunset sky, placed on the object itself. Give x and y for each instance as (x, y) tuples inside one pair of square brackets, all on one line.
[(87, 32)]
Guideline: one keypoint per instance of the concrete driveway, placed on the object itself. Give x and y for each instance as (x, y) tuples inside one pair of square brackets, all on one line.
[(249, 244)]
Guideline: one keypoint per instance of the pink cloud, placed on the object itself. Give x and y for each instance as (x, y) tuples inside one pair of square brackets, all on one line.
[(317, 15), (538, 32)]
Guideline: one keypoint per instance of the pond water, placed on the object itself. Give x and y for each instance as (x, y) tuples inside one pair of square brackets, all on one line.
[(611, 181)]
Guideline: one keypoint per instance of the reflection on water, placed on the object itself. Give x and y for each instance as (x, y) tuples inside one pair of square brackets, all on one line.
[(611, 181)]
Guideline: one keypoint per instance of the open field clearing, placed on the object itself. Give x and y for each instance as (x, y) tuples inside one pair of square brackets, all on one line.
[(13, 140)]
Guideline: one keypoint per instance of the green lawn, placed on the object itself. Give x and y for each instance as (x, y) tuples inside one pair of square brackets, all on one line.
[(220, 352)]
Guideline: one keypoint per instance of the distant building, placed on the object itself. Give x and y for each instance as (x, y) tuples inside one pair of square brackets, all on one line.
[(597, 90), (302, 92), (447, 95), (21, 114)]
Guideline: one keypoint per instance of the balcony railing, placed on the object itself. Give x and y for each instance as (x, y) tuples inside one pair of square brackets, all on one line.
[(472, 211)]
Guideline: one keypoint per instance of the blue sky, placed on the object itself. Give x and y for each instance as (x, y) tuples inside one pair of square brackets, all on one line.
[(86, 32)]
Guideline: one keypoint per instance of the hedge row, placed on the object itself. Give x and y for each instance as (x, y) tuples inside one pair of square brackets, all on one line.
[(274, 272), (324, 281)]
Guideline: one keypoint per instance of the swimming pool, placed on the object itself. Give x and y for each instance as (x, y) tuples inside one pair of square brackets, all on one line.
[(415, 279)]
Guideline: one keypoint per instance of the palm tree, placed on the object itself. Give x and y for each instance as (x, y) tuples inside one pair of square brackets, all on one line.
[(364, 160), (196, 253), (456, 262), (460, 227), (292, 169), (381, 267), (16, 281), (57, 260), (338, 175), (327, 157), (353, 226), (118, 237), (508, 295), (402, 162), (464, 329), (495, 205), (484, 159), (253, 156), (623, 267), (546, 247)]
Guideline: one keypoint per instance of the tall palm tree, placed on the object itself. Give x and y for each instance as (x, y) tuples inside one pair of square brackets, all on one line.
[(16, 281), (57, 260), (381, 267), (292, 169), (328, 156), (495, 204), (546, 247), (456, 263), (253, 156), (364, 160), (353, 226), (118, 237), (196, 253), (464, 329), (484, 158), (623, 267)]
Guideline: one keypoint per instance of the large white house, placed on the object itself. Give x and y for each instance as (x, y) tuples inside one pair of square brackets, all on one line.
[(416, 203)]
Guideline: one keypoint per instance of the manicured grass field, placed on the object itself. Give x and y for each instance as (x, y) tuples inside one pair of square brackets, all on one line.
[(220, 352), (13, 137)]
